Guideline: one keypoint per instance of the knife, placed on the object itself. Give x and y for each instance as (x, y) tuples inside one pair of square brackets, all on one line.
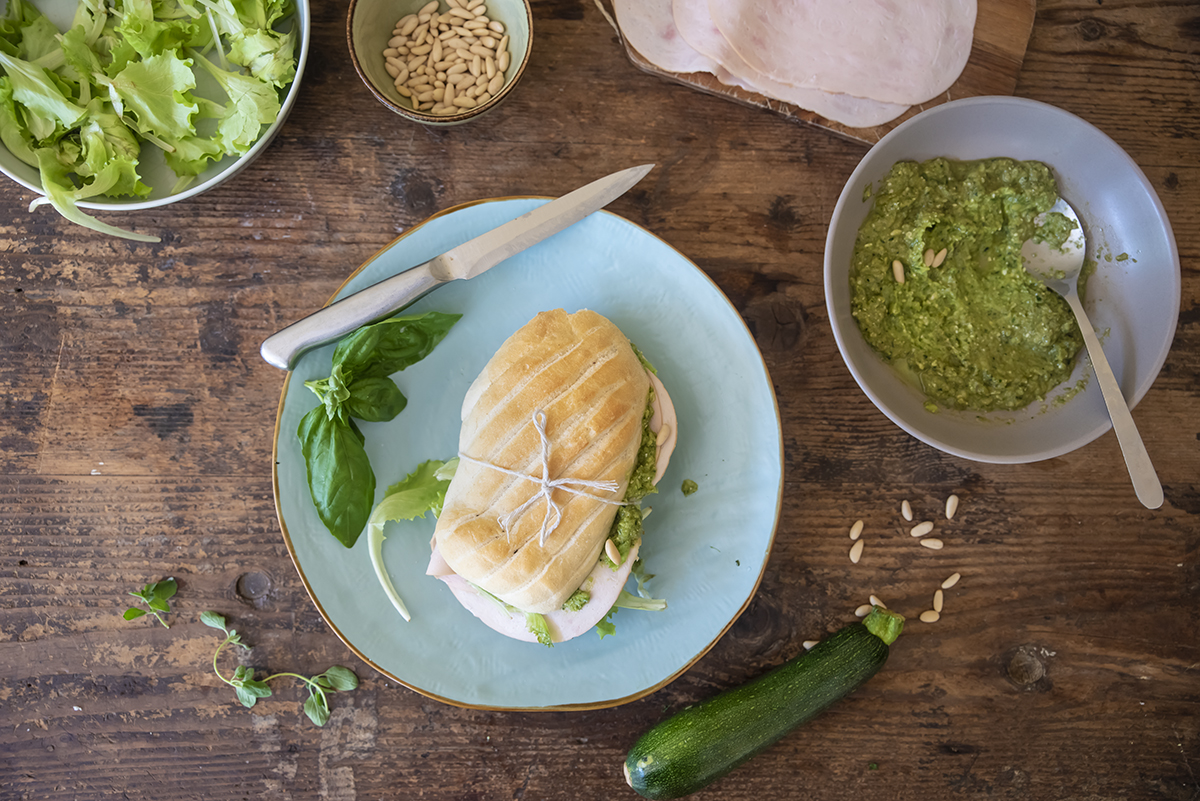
[(468, 260)]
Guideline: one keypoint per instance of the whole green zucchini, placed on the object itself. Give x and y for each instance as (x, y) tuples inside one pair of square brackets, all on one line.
[(705, 741)]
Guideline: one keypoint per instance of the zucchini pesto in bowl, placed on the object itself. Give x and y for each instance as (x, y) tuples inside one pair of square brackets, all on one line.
[(939, 289)]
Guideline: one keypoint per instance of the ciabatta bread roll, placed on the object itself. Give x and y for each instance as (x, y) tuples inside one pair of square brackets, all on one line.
[(581, 372)]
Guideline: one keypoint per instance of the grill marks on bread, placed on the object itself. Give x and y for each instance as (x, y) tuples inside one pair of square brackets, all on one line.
[(581, 371)]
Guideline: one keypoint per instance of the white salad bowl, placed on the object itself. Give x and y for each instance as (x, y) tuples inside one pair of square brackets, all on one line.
[(1132, 298), (152, 167)]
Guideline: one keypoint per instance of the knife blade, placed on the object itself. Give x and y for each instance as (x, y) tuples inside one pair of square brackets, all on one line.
[(464, 262)]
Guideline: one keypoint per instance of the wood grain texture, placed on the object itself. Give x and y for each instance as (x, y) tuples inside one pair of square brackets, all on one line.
[(135, 443), (1002, 29)]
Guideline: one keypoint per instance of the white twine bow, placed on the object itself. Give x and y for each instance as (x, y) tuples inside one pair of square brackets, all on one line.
[(575, 486)]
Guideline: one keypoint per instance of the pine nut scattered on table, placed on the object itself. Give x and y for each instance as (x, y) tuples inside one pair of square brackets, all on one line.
[(427, 49)]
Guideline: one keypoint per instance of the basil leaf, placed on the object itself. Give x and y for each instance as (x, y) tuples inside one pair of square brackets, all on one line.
[(340, 678), (248, 699), (391, 345), (316, 710), (164, 589), (258, 689), (213, 619), (340, 479), (376, 400), (132, 614)]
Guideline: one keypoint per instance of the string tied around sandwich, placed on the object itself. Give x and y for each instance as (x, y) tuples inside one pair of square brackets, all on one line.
[(546, 486)]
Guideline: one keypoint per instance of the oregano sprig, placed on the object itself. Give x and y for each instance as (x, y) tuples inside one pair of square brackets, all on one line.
[(249, 689), (155, 596)]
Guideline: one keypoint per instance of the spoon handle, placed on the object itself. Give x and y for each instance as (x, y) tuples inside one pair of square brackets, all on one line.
[(1137, 460)]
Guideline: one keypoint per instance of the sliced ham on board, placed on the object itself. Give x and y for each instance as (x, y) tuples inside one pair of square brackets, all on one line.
[(695, 24), (895, 51)]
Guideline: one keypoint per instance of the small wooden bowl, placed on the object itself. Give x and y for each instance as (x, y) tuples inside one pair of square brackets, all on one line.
[(370, 25)]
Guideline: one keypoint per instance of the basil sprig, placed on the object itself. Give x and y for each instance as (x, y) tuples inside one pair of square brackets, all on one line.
[(340, 479)]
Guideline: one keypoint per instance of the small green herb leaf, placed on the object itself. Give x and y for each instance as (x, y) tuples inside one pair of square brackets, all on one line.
[(155, 597), (258, 689), (317, 709), (248, 699), (340, 678), (213, 619), (164, 589)]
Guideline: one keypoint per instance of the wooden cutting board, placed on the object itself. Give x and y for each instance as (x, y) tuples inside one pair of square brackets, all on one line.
[(1002, 29)]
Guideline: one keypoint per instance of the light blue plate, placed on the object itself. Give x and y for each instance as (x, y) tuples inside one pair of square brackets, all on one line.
[(707, 550)]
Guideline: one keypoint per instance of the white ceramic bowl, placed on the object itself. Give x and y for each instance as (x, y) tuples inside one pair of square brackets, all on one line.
[(1133, 303), (151, 166)]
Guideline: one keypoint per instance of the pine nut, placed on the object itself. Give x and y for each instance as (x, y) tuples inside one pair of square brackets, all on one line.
[(448, 62), (933, 545), (928, 258), (898, 271), (940, 257), (856, 551), (614, 553), (951, 506), (810, 644), (876, 602), (921, 529), (950, 582), (929, 616), (863, 610), (906, 510), (856, 529), (938, 599)]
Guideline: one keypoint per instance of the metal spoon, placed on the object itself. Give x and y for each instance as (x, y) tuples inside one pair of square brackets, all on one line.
[(1058, 268)]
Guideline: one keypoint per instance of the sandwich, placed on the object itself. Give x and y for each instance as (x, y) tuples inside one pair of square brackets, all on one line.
[(564, 432)]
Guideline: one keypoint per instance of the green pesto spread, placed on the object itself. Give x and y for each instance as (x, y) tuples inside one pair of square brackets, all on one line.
[(976, 332), (627, 527), (689, 486)]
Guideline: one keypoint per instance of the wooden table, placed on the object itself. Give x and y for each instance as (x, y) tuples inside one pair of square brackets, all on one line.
[(135, 444)]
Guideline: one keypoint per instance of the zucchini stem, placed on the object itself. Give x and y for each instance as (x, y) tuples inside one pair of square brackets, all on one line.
[(884, 624)]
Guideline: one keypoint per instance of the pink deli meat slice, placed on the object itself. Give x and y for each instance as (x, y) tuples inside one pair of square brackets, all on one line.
[(603, 583), (896, 51), (648, 26), (695, 24)]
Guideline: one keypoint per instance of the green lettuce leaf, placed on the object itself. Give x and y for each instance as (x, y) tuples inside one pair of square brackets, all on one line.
[(157, 91), (420, 492), (61, 193), (252, 104)]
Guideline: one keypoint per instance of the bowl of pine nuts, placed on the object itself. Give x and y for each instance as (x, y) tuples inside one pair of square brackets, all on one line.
[(440, 62)]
